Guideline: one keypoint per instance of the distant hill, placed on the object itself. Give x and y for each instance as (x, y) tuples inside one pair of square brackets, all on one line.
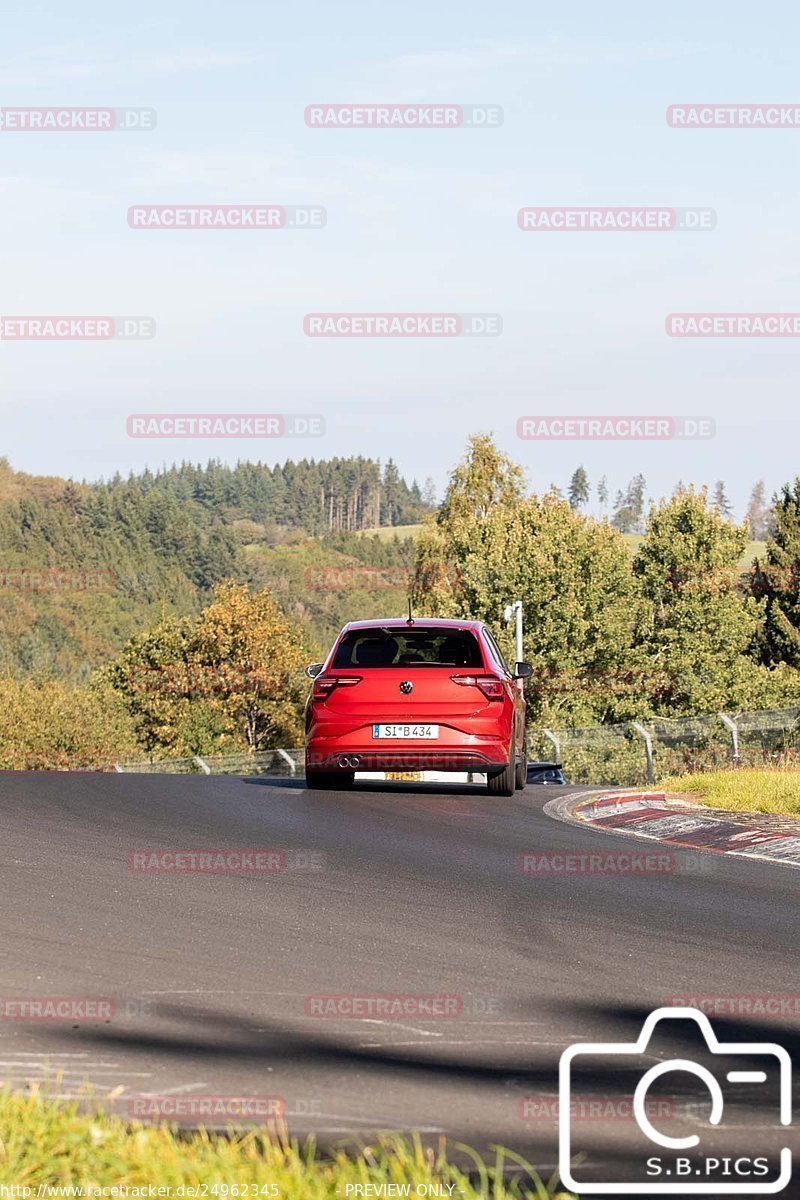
[(83, 566)]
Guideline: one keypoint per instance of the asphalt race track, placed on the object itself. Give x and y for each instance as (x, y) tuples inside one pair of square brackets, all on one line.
[(412, 891)]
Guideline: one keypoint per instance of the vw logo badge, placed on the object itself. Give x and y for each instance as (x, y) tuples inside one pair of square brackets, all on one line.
[(406, 687)]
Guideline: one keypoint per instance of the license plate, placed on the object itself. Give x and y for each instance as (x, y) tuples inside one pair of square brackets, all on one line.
[(404, 776), (399, 733)]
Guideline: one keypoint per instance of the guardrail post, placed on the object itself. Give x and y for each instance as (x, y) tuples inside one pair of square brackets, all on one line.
[(548, 733), (204, 767), (648, 749), (288, 759), (729, 721)]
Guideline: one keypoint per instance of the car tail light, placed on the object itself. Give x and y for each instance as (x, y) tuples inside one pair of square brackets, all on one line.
[(325, 684), (491, 687)]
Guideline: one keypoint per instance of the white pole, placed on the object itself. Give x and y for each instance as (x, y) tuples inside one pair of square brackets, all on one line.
[(288, 759), (729, 721), (648, 749), (515, 610), (548, 733)]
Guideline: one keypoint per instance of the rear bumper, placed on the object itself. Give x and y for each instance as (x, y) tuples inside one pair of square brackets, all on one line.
[(407, 758)]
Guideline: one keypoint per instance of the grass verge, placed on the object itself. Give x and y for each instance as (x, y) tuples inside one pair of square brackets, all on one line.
[(45, 1142), (765, 790)]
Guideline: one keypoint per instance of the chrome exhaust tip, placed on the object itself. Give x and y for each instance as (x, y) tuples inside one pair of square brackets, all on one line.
[(344, 761), (355, 761)]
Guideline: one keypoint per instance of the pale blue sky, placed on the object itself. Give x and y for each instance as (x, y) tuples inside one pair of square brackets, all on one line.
[(417, 220)]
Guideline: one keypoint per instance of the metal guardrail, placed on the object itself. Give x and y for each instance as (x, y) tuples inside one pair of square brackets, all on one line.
[(637, 752), (266, 762), (641, 752)]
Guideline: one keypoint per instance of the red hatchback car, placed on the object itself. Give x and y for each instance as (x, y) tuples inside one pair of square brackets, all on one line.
[(412, 695)]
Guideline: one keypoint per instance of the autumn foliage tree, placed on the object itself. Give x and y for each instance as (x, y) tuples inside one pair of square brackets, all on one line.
[(49, 725), (229, 679)]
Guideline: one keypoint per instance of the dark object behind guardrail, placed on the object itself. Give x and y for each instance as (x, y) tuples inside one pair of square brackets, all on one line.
[(545, 772)]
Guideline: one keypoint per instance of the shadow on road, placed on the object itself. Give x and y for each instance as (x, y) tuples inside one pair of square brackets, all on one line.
[(206, 1038), (376, 786)]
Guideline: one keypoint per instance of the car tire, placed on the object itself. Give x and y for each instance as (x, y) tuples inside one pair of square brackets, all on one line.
[(329, 780), (501, 783)]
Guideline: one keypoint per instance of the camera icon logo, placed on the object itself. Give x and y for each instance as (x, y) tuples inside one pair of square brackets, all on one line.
[(679, 1165)]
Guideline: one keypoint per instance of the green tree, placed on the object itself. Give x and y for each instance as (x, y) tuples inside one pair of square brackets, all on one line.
[(578, 489), (696, 624), (722, 504), (429, 493), (572, 574), (156, 692), (484, 481), (776, 579), (758, 514), (629, 507), (390, 507)]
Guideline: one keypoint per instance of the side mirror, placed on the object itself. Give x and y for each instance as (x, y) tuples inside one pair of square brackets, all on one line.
[(522, 670), (314, 670)]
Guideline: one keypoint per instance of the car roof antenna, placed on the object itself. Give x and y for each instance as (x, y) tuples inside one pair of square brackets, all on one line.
[(410, 620)]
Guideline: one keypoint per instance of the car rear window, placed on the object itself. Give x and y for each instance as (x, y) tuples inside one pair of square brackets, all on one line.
[(406, 647)]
